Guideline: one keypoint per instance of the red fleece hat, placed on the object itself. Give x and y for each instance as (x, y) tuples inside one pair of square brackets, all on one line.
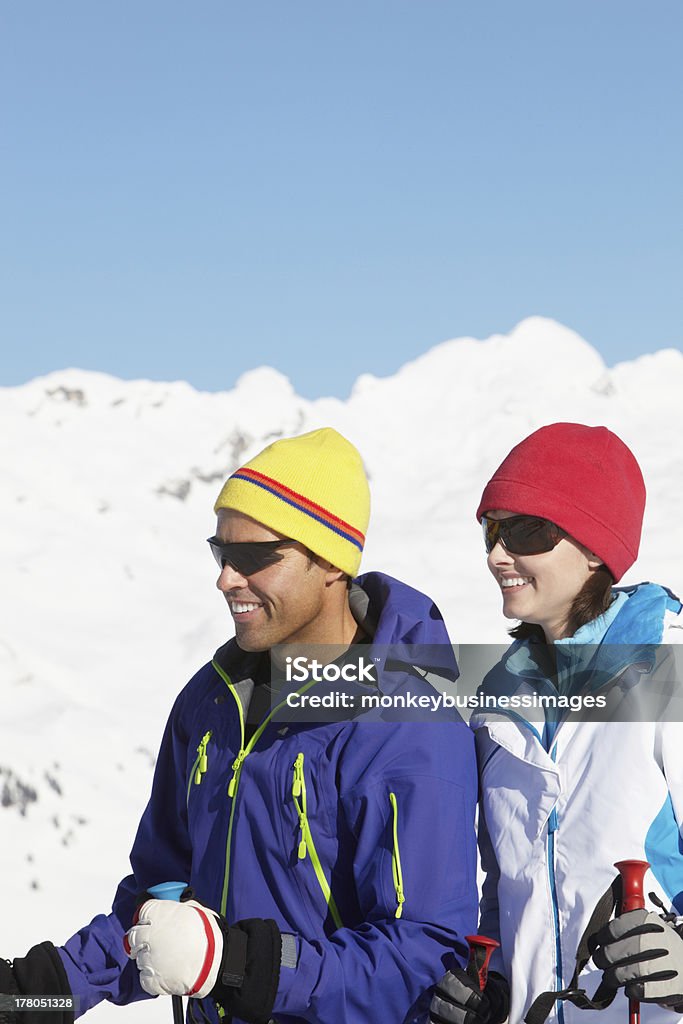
[(584, 479)]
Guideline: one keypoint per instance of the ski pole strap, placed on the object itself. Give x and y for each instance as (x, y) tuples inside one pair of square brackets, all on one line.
[(541, 1007)]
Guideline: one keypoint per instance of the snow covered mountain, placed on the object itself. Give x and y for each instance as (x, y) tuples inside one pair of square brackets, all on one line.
[(108, 603)]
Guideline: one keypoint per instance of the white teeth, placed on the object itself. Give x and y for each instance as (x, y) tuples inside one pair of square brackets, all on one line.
[(515, 581), (237, 607)]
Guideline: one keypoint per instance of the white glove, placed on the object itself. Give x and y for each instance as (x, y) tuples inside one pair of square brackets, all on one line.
[(178, 947)]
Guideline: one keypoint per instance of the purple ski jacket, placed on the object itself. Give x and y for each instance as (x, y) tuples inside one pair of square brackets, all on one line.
[(356, 836)]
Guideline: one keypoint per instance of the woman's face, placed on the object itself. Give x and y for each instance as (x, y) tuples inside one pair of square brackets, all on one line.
[(541, 588)]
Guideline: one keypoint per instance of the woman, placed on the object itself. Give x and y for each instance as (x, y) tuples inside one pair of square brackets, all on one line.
[(564, 799)]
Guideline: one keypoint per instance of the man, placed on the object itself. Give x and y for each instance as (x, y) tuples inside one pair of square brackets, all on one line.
[(331, 863)]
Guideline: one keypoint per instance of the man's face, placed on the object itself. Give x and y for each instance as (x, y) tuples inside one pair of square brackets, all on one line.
[(279, 604)]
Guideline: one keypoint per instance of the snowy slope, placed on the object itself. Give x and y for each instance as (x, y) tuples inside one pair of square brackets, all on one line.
[(108, 603)]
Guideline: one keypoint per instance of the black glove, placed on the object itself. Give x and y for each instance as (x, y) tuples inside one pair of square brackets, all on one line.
[(458, 1000), (644, 954), (250, 969), (39, 973)]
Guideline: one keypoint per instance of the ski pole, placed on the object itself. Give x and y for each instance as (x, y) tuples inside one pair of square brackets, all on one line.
[(481, 948), (171, 891), (633, 898)]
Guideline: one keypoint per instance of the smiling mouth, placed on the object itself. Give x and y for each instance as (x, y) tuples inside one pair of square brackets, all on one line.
[(510, 582), (243, 607)]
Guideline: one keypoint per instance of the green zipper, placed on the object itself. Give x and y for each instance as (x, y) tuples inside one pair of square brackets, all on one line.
[(396, 861), (306, 843), (244, 751), (201, 763)]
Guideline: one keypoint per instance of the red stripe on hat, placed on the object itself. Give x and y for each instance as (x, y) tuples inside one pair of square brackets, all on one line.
[(210, 950), (306, 503)]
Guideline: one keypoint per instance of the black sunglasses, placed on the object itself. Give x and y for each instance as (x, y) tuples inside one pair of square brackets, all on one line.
[(522, 535), (249, 557)]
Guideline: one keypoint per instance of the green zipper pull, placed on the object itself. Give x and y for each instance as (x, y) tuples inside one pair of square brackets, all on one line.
[(297, 780), (301, 852), (202, 759), (299, 790), (236, 766)]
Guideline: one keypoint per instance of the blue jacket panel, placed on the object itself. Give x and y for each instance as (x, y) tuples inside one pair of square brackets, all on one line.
[(378, 883)]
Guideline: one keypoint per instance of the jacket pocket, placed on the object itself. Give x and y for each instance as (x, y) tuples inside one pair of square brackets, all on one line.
[(396, 871), (306, 848)]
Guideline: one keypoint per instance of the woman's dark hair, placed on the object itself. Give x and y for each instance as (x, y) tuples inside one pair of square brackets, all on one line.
[(592, 600)]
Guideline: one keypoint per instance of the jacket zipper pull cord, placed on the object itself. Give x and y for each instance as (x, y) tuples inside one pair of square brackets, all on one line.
[(396, 861), (202, 759), (236, 767), (299, 790)]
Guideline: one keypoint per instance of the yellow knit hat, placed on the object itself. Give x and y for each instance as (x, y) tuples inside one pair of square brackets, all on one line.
[(311, 488)]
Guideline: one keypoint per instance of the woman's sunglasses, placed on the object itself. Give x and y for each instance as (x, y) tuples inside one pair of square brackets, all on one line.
[(249, 557), (522, 535)]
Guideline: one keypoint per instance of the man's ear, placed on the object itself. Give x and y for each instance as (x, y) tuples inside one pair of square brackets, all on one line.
[(333, 574)]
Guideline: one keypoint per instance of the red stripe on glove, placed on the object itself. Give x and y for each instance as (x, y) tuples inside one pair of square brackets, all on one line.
[(208, 959)]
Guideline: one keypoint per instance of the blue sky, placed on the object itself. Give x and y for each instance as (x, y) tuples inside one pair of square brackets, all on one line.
[(191, 190)]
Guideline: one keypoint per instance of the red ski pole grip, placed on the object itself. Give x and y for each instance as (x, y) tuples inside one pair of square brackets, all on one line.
[(481, 948), (632, 898), (632, 879)]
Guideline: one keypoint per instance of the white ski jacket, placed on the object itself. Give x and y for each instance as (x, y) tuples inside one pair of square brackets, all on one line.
[(561, 801)]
